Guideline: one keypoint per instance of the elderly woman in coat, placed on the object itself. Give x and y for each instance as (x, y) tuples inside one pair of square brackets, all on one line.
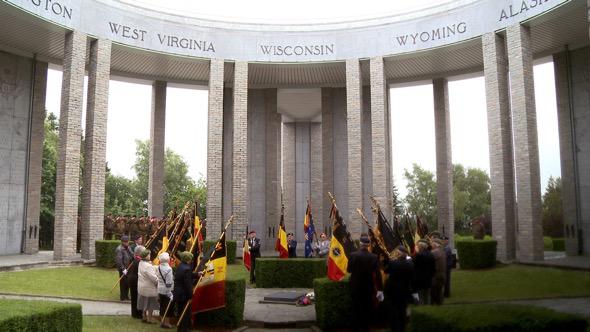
[(165, 287), (147, 288)]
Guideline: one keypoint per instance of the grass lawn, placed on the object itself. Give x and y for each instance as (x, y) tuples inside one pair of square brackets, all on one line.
[(511, 282), (76, 282)]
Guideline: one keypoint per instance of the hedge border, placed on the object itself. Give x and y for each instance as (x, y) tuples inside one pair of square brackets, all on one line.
[(476, 254), (232, 315), (289, 273), (25, 315), (105, 252), (493, 318)]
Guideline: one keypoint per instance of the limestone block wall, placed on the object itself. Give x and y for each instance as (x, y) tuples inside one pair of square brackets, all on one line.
[(580, 80), (15, 94)]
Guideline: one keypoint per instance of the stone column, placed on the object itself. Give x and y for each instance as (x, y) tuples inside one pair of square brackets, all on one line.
[(215, 149), (228, 152), (500, 145), (240, 156), (327, 155), (528, 181), (289, 169), (444, 160), (273, 166), (68, 155), (92, 222), (35, 158), (353, 126), (317, 193), (382, 185), (157, 150), (566, 152)]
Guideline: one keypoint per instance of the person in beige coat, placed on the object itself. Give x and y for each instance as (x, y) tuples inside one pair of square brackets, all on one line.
[(147, 288)]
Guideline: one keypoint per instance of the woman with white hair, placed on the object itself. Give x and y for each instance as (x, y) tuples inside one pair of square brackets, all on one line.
[(165, 286), (147, 288)]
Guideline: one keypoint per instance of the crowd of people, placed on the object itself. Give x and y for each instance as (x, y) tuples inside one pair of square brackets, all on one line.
[(155, 287), (421, 278), (117, 226)]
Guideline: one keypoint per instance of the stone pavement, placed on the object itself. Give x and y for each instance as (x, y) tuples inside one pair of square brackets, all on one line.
[(558, 259), (42, 259)]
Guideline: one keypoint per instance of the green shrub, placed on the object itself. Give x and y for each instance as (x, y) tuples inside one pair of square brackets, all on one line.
[(22, 315), (476, 254), (547, 243), (231, 249), (232, 315), (333, 304), (105, 252), (492, 318), (459, 237), (558, 244), (292, 272)]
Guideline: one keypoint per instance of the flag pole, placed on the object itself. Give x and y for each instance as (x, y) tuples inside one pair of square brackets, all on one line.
[(147, 244), (379, 242), (231, 219)]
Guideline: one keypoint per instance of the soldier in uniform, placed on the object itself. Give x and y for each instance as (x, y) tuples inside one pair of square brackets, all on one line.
[(254, 244)]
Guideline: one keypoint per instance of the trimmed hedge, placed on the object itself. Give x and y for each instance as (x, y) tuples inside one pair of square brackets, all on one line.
[(291, 272), (558, 244), (476, 254), (232, 315), (231, 249), (547, 243), (333, 303), (492, 318), (105, 252), (23, 315)]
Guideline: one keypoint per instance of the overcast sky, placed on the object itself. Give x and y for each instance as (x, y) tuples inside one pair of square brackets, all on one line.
[(412, 123)]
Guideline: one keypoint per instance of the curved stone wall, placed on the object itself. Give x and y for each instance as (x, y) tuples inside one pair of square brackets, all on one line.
[(162, 32)]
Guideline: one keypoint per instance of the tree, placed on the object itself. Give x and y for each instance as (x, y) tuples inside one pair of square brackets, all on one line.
[(472, 196), (179, 188), (48, 177), (397, 208), (552, 208), (121, 197), (421, 197)]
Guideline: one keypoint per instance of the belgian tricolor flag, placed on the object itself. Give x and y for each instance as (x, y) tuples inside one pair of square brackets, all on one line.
[(341, 246), (210, 292), (281, 244)]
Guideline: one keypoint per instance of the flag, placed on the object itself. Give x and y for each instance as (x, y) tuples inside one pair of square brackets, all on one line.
[(308, 230), (409, 236), (246, 255), (421, 228), (165, 244), (281, 244), (341, 246), (210, 292), (384, 232), (156, 241)]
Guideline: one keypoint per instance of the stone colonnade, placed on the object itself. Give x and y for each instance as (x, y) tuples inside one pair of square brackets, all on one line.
[(252, 154)]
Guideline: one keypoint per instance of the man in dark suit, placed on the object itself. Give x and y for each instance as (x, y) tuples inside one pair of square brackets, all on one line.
[(292, 245), (183, 289), (365, 283), (423, 271), (254, 244), (398, 288)]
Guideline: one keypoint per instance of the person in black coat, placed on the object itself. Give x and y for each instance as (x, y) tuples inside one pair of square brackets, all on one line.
[(132, 281), (292, 246), (423, 271), (398, 288), (183, 289), (254, 244), (365, 281)]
